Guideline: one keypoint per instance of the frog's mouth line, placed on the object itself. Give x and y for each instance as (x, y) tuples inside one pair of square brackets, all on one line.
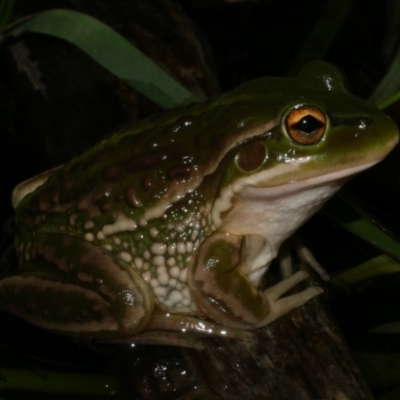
[(254, 191), (251, 188)]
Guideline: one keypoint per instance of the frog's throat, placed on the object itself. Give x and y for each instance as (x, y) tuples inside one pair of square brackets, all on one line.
[(249, 190)]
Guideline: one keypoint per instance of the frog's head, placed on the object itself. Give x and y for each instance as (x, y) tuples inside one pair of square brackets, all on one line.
[(302, 133)]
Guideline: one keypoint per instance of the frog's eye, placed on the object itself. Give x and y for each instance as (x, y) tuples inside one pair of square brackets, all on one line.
[(306, 125), (251, 156)]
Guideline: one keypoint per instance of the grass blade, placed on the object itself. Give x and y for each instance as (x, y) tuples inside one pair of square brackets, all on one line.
[(6, 8), (393, 327), (393, 395), (322, 34), (377, 266), (380, 369), (110, 50), (56, 382), (388, 87), (346, 213)]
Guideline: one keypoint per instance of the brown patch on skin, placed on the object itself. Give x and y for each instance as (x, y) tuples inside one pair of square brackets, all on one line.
[(68, 184), (139, 162), (148, 183), (85, 277), (179, 172), (43, 203), (131, 197), (112, 172)]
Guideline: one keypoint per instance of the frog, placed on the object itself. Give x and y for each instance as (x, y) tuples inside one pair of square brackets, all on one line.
[(168, 226)]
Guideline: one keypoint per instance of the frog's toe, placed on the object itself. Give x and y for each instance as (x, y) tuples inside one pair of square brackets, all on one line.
[(283, 306), (277, 290)]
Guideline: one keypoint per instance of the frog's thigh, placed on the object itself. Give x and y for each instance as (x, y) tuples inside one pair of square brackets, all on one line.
[(220, 289), (70, 285)]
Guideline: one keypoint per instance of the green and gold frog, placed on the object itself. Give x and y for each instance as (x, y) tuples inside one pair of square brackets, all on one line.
[(170, 224)]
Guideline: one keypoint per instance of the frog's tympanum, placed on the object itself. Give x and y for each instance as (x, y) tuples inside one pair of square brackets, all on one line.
[(170, 224)]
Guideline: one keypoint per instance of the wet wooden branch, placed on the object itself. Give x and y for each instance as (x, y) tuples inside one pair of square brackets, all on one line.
[(301, 356)]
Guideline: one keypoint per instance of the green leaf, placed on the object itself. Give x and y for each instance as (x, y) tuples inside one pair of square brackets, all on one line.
[(55, 382), (346, 213), (110, 50), (378, 266), (388, 102), (393, 395), (322, 34), (388, 87), (6, 8), (380, 369), (393, 327)]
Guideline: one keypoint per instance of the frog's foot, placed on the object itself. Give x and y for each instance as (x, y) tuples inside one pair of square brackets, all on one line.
[(280, 306), (303, 253), (307, 258)]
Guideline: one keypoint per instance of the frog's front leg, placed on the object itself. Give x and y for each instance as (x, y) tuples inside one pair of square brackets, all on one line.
[(223, 292), (71, 286)]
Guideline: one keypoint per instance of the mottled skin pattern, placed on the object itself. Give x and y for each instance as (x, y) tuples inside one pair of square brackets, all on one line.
[(182, 213)]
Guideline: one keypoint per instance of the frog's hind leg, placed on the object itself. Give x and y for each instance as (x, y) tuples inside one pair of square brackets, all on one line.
[(169, 329), (280, 306), (68, 285)]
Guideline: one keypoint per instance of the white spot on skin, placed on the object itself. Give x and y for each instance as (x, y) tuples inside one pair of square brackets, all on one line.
[(174, 271), (175, 297), (161, 270), (89, 237), (183, 275), (107, 246), (100, 235), (125, 245), (171, 262), (171, 249), (138, 262), (180, 228), (194, 235), (181, 248), (159, 260), (117, 241), (125, 256), (172, 282), (146, 255), (158, 248), (189, 247), (121, 224), (147, 276), (163, 279), (153, 232), (154, 283), (160, 291), (88, 225)]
